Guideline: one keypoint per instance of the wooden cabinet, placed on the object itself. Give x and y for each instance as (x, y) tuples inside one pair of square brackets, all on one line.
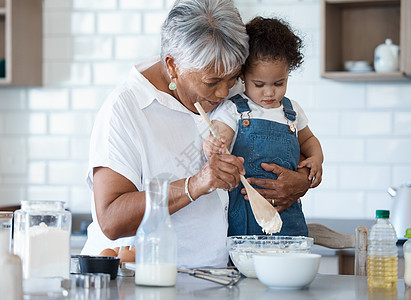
[(352, 29), (21, 42)]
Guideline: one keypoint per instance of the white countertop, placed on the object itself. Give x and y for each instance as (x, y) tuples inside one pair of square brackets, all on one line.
[(324, 287)]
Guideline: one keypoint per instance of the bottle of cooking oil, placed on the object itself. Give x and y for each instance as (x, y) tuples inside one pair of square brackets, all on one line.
[(382, 269)]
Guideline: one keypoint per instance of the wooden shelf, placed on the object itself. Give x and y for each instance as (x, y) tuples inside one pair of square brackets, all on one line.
[(21, 42), (352, 29), (368, 76)]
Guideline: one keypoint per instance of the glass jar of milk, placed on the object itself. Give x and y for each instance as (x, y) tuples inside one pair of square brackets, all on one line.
[(42, 239), (156, 240)]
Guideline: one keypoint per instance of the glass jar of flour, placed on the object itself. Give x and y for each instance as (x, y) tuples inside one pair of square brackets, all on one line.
[(42, 239)]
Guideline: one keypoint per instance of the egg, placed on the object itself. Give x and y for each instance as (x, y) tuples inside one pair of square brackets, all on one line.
[(108, 252), (126, 255)]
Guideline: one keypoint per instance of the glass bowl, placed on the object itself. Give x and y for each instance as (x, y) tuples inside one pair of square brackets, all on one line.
[(242, 248)]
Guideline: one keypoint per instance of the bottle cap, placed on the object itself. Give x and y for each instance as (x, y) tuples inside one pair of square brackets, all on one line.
[(408, 233), (382, 214)]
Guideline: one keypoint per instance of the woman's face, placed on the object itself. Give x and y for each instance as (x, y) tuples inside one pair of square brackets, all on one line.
[(266, 82), (207, 87)]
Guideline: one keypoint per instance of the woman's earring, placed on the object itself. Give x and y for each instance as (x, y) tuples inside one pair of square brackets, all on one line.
[(172, 86)]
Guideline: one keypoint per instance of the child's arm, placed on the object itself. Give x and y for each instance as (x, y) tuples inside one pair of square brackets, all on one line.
[(311, 148), (212, 145)]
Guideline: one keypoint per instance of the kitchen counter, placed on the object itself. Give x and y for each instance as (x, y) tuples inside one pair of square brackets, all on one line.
[(324, 287)]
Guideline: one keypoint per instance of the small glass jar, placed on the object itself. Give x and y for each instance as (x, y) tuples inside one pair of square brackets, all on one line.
[(5, 229), (42, 239), (11, 281)]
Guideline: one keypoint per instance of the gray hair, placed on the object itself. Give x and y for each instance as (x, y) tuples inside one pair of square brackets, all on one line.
[(205, 34)]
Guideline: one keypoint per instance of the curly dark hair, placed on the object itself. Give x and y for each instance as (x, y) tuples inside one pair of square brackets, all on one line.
[(273, 39)]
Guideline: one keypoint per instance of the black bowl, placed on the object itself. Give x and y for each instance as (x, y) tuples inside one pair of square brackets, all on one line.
[(99, 264)]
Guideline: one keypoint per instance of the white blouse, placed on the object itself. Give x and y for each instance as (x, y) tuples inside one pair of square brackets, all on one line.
[(141, 132)]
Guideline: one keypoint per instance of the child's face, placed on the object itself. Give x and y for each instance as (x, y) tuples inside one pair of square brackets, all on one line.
[(266, 82)]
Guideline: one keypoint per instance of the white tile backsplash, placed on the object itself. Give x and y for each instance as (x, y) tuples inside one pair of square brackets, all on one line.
[(401, 174), (389, 96), (12, 99), (110, 73), (66, 73), (120, 22), (13, 156), (57, 48), (82, 23), (71, 124), (48, 147), (137, 47), (402, 123), (2, 117), (79, 148), (48, 192), (16, 123), (38, 123), (143, 5), (37, 172), (366, 123), (88, 98), (80, 199), (48, 99), (56, 23), (391, 150), (57, 4), (153, 22), (339, 204), (94, 4), (90, 46), (376, 200), (330, 178), (11, 195), (323, 123), (342, 150), (338, 96), (66, 172), (360, 176)]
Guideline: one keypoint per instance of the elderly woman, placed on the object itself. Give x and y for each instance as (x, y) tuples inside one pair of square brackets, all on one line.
[(148, 127)]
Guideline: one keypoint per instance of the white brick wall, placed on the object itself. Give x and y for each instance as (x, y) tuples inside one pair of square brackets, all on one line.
[(89, 46)]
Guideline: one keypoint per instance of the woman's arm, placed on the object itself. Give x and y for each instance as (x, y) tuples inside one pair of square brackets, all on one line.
[(120, 206)]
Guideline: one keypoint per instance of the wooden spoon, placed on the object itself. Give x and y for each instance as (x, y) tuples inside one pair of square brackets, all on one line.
[(265, 214)]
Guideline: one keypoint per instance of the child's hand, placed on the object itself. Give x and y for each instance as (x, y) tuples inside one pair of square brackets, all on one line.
[(212, 145), (316, 170)]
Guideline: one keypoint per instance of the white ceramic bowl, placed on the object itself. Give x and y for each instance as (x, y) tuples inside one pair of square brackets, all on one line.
[(286, 270), (242, 248)]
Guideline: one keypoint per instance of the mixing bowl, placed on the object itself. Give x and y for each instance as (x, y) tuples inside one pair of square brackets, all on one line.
[(99, 264), (242, 248), (286, 270)]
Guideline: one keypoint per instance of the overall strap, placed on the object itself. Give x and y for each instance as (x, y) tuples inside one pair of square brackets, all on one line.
[(240, 103), (288, 109)]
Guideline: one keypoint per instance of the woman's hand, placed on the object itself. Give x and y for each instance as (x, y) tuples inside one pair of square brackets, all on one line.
[(286, 189), (316, 170), (221, 171)]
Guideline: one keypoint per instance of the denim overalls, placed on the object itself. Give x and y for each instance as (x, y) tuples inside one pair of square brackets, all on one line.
[(269, 142)]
